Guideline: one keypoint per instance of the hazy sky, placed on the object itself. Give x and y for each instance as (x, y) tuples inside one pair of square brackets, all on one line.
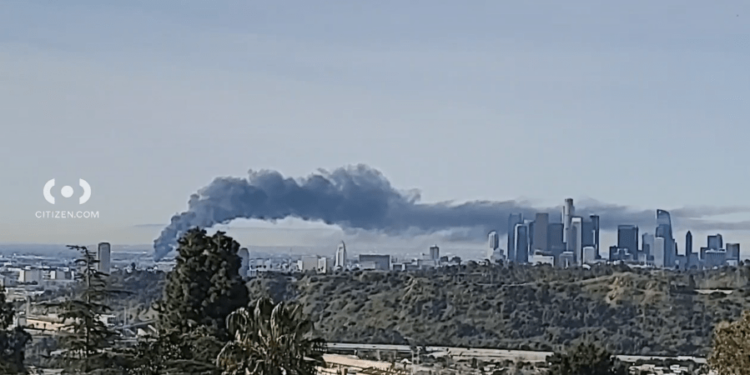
[(641, 103)]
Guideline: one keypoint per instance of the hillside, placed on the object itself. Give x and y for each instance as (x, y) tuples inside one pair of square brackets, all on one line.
[(537, 308), (518, 307)]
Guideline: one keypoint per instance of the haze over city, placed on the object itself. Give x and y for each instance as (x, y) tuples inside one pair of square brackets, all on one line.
[(150, 102)]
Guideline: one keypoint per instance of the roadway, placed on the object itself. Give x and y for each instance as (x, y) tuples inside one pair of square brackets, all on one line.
[(489, 354)]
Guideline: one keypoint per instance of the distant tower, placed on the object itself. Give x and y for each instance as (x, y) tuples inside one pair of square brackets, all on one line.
[(715, 242), (659, 252), (493, 240), (103, 255), (513, 220), (340, 256), (568, 212), (493, 243), (733, 251), (576, 239), (595, 228), (521, 247), (688, 244), (434, 252), (664, 230), (647, 244), (541, 225), (627, 238), (244, 261)]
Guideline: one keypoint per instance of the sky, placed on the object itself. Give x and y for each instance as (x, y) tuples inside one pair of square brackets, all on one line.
[(637, 103)]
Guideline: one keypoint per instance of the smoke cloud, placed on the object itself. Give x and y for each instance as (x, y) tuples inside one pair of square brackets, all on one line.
[(361, 198)]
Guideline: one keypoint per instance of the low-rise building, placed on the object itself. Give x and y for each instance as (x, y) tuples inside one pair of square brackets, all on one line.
[(30, 275), (375, 262)]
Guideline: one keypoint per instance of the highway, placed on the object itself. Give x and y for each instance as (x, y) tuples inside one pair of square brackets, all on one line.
[(493, 354)]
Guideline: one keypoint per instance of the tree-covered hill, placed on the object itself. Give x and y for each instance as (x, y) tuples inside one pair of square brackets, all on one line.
[(516, 307), (537, 308)]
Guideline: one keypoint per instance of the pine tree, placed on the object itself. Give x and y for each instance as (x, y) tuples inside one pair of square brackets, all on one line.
[(204, 287), (86, 338)]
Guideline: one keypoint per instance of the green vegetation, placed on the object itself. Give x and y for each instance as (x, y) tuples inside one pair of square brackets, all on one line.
[(88, 340), (206, 325), (205, 286), (731, 351), (12, 341), (585, 359), (270, 340), (629, 311)]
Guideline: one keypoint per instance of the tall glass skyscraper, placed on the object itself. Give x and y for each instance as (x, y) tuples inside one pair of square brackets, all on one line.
[(627, 238), (513, 220), (715, 242), (664, 230), (521, 236)]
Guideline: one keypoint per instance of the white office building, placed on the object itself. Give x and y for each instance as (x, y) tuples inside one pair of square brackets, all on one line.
[(589, 255), (659, 252), (340, 262), (244, 255)]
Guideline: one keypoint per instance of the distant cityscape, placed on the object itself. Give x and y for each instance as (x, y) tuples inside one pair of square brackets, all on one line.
[(565, 241), (575, 241)]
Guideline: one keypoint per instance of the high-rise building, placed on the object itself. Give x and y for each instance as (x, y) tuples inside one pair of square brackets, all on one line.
[(688, 244), (702, 252), (733, 251), (541, 225), (513, 220), (555, 243), (103, 255), (340, 261), (715, 242), (627, 238), (658, 252), (594, 220), (568, 212), (521, 235), (435, 253), (530, 224), (493, 243), (576, 238), (493, 240), (244, 255), (590, 232), (647, 244), (664, 230)]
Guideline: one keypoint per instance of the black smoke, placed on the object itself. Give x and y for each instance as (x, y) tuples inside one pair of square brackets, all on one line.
[(361, 198)]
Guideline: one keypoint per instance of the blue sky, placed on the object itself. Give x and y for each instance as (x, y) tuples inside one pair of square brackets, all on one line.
[(639, 103)]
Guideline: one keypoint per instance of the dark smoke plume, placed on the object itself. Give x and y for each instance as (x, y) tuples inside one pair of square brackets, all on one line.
[(360, 197)]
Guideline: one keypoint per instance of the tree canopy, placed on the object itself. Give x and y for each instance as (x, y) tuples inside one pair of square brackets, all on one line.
[(585, 359), (731, 350), (205, 285), (13, 341), (87, 338)]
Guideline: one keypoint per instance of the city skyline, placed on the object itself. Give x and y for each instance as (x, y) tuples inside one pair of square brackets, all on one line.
[(466, 102), (574, 239)]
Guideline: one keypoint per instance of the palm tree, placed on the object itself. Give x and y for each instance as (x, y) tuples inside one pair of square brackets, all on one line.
[(271, 339)]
